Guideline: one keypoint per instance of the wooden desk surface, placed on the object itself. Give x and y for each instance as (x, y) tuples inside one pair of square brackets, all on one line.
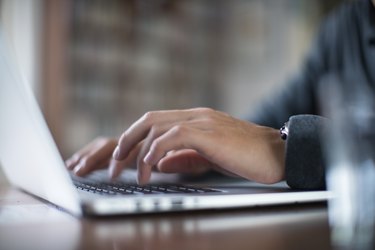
[(27, 223)]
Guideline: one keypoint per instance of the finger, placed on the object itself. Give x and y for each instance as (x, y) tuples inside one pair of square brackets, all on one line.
[(189, 162), (143, 168), (177, 138), (141, 128), (184, 161), (89, 164), (73, 161), (97, 158), (116, 167)]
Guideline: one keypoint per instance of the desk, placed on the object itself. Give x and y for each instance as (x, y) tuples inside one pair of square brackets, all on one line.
[(27, 223)]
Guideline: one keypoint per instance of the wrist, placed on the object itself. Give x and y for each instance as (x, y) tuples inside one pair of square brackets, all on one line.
[(275, 162)]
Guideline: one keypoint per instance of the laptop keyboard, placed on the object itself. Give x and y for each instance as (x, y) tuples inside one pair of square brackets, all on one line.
[(131, 189)]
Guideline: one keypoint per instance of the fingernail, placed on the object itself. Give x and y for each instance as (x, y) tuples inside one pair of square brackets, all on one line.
[(116, 153), (140, 181), (78, 168), (149, 159), (111, 171)]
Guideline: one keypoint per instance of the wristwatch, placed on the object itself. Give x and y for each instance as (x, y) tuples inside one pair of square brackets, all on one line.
[(284, 131)]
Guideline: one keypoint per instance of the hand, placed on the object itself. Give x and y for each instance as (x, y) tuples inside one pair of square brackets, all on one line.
[(199, 139), (95, 155), (98, 155)]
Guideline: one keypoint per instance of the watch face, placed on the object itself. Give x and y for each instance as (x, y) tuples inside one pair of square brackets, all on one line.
[(284, 130)]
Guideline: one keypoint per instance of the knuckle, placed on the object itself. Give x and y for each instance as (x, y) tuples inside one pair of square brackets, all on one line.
[(99, 140), (123, 138), (206, 110), (155, 146), (123, 135), (154, 131), (104, 141), (179, 130), (148, 117)]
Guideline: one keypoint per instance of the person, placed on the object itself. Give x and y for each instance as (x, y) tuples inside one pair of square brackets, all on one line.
[(196, 141)]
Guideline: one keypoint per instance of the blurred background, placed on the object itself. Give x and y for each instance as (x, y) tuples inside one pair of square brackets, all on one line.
[(96, 66)]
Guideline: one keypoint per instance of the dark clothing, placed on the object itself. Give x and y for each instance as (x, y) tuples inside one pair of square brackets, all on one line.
[(345, 46)]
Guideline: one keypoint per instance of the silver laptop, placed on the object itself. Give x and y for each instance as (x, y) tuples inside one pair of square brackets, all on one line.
[(31, 162)]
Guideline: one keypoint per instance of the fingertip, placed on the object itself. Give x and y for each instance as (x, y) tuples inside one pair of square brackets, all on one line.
[(113, 170), (144, 174), (142, 182), (69, 164)]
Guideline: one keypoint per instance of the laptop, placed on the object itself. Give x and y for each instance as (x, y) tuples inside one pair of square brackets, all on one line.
[(31, 162)]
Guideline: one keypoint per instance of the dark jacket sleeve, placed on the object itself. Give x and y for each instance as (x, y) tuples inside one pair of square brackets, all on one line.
[(304, 160)]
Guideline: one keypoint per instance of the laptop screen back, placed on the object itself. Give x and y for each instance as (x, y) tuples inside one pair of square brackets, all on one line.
[(28, 154)]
